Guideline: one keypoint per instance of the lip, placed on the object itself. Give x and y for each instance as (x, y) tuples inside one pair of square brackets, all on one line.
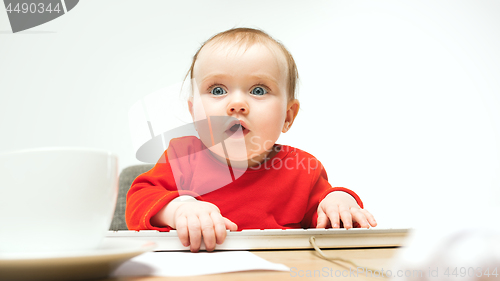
[(236, 134), (238, 121)]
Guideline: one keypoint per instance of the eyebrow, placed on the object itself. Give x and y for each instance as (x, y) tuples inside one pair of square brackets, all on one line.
[(215, 75), (223, 75)]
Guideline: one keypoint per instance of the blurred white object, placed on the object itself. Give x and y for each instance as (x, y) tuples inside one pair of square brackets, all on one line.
[(452, 251), (56, 199)]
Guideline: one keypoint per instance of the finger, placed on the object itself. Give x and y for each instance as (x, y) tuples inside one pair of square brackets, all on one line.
[(207, 230), (182, 230), (345, 216), (194, 230), (322, 219), (332, 211), (369, 217), (359, 217), (219, 227), (230, 225)]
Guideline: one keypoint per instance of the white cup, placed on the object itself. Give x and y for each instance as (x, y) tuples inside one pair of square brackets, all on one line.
[(56, 199)]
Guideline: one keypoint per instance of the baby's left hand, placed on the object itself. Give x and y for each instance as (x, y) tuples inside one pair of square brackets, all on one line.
[(339, 205)]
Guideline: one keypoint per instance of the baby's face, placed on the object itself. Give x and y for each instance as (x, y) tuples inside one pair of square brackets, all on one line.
[(247, 85)]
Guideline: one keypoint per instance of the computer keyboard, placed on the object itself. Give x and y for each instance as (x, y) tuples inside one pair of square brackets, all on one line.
[(280, 239)]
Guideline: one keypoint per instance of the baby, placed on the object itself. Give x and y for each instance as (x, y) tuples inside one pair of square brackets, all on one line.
[(235, 176)]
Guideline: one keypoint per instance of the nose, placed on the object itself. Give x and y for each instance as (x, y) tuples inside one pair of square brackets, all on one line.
[(237, 105)]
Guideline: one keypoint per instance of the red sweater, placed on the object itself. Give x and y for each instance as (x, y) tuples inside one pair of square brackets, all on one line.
[(283, 192)]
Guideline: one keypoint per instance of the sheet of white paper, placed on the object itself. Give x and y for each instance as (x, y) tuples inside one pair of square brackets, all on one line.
[(190, 264)]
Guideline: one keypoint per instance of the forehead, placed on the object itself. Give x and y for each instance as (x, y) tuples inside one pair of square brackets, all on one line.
[(238, 58)]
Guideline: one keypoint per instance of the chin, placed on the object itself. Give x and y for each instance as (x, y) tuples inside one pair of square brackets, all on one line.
[(232, 153)]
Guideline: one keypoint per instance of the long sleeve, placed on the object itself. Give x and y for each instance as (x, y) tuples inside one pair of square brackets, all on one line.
[(283, 192), (149, 193), (320, 189)]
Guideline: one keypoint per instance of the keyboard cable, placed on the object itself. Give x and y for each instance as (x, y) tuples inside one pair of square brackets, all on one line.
[(312, 241)]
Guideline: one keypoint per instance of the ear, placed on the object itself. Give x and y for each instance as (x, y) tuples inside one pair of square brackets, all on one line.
[(292, 111), (190, 106)]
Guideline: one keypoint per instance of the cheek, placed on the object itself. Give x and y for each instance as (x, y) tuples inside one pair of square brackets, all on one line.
[(275, 117), (199, 109), (271, 125)]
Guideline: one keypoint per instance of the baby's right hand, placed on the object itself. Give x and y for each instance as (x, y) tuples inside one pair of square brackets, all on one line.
[(197, 220)]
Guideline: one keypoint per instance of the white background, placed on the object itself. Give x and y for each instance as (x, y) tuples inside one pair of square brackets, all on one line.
[(400, 100)]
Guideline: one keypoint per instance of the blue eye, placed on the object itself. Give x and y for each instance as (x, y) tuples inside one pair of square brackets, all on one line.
[(218, 91), (259, 91)]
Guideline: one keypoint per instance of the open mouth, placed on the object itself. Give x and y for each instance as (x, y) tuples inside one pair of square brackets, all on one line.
[(235, 127), (237, 130)]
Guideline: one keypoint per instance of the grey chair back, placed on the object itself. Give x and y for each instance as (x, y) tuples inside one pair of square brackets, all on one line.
[(127, 176)]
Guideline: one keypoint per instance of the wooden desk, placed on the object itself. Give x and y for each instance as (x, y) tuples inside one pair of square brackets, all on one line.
[(301, 263)]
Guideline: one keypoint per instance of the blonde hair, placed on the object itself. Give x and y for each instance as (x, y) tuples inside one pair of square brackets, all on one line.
[(247, 37)]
